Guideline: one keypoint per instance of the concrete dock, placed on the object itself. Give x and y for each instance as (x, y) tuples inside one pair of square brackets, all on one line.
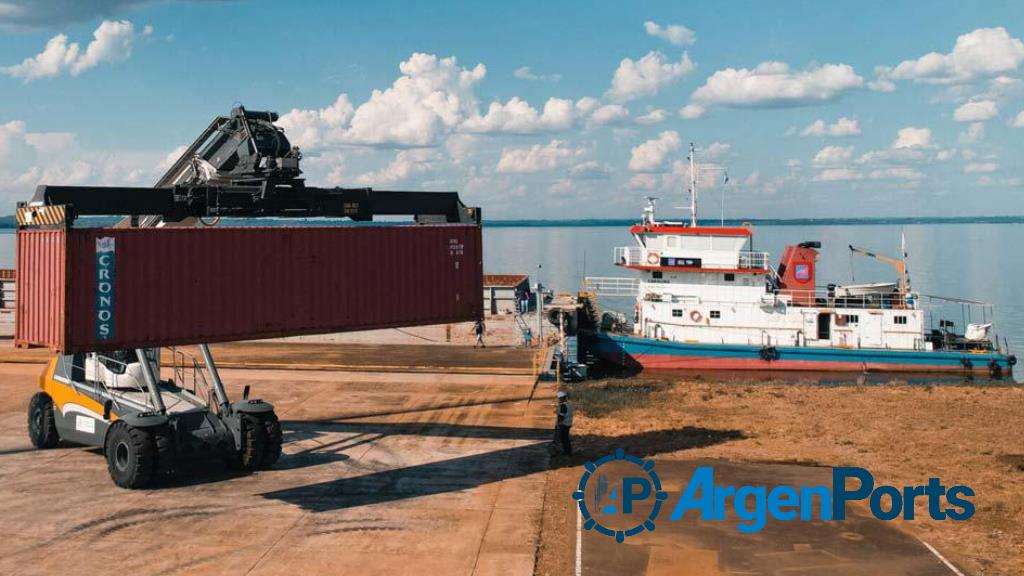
[(382, 473), (435, 462)]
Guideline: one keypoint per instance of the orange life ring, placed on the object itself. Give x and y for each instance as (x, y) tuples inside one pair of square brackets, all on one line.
[(696, 316), (653, 258)]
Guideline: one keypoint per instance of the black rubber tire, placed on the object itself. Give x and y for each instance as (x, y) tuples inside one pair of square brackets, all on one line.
[(254, 442), (42, 425), (272, 450), (165, 454), (131, 455)]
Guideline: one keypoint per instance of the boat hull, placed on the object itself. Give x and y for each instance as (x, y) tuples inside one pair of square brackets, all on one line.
[(649, 354)]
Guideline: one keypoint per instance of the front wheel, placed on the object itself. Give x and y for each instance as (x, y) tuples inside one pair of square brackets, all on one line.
[(42, 426), (131, 455), (272, 450)]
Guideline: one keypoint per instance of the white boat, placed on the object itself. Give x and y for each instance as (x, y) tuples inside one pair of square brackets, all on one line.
[(704, 300)]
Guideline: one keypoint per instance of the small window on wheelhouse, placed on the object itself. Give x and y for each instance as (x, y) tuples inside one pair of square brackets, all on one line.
[(656, 274), (677, 312), (899, 319), (730, 277), (716, 314)]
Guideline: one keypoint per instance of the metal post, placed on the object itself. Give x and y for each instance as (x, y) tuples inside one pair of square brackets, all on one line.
[(151, 380), (218, 386), (540, 310)]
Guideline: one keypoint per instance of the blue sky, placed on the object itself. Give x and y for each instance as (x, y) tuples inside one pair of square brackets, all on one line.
[(813, 108)]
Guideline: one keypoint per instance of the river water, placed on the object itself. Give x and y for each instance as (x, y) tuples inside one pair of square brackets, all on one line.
[(975, 261)]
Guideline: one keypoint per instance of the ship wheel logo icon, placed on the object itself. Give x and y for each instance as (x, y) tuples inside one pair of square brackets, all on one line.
[(618, 508)]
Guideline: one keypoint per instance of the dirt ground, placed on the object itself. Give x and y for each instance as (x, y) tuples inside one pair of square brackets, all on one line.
[(903, 434)]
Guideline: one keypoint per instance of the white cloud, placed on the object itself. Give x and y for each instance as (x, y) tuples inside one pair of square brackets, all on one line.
[(911, 137), (976, 111), (986, 180), (691, 111), (642, 182), (716, 150), (844, 127), (974, 133), (753, 179), (591, 170), (646, 76), (675, 34), (896, 173), (538, 158), (517, 117), (945, 155), (650, 156), (772, 84), (407, 163), (982, 53), (833, 155), (461, 146), (837, 175), (28, 159), (525, 73), (609, 114), (430, 98), (979, 167), (112, 42), (659, 115), (311, 128), (425, 103), (1018, 121)]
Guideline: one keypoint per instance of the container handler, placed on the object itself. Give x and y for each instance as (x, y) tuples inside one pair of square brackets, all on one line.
[(151, 411)]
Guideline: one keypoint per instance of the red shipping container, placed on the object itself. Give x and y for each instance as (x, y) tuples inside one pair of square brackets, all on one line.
[(104, 289)]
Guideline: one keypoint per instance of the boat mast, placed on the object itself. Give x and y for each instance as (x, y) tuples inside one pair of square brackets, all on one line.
[(693, 188)]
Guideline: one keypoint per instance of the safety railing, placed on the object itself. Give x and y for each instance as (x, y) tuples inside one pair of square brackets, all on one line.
[(628, 255), (829, 297), (754, 260), (612, 286), (638, 256)]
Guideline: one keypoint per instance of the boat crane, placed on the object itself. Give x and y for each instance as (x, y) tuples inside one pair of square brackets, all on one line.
[(900, 264), (242, 165)]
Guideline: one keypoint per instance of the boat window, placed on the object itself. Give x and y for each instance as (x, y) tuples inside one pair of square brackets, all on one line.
[(716, 313), (677, 312), (730, 277), (899, 319), (656, 274), (851, 318), (670, 241)]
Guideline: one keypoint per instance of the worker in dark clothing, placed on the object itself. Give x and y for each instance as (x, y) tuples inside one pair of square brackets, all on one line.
[(564, 422), (478, 329)]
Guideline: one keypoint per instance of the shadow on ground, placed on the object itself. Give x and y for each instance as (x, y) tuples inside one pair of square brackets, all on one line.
[(467, 472)]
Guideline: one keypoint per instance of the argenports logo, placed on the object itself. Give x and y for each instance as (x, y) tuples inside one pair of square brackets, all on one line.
[(621, 495), (620, 501)]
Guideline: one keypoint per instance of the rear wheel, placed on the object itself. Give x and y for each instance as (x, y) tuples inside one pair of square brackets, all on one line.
[(42, 426), (272, 451), (254, 443), (131, 455)]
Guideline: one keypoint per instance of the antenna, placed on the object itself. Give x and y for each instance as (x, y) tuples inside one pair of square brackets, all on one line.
[(693, 187)]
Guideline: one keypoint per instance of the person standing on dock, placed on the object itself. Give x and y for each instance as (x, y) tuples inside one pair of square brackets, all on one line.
[(478, 329), (564, 422)]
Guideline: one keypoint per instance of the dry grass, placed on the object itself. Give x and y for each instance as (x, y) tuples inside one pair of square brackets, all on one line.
[(904, 434)]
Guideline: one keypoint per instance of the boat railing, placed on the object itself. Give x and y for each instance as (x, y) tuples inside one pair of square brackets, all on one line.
[(829, 297), (754, 260), (611, 286), (629, 255), (639, 256)]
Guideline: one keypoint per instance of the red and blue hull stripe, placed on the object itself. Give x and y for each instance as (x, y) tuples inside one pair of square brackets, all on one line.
[(646, 353)]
